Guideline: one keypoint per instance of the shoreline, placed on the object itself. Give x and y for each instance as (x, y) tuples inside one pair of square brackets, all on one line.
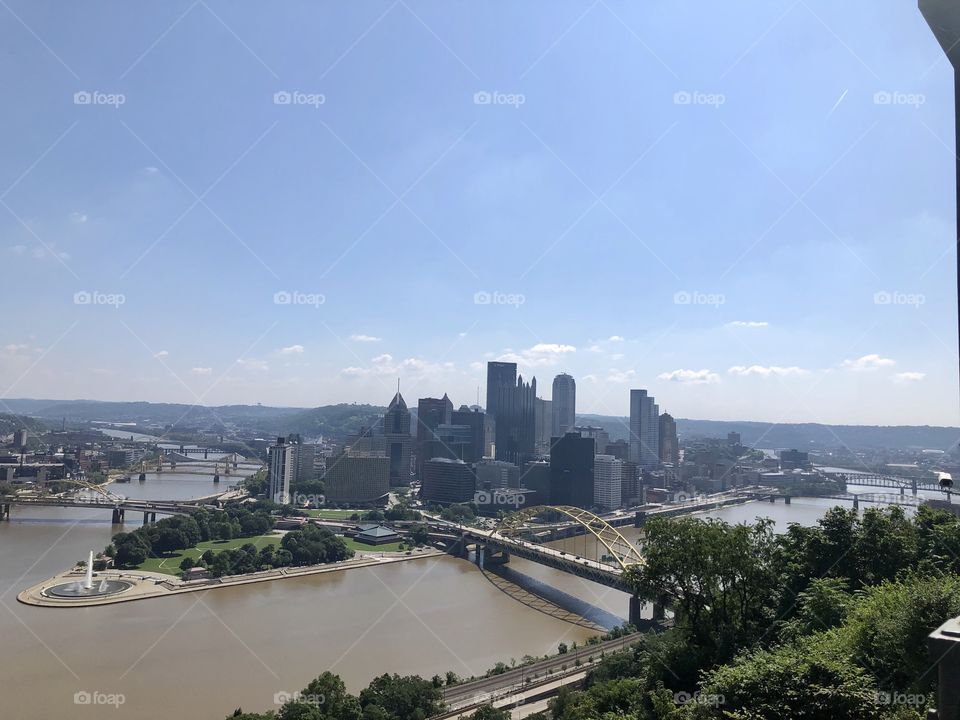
[(146, 584)]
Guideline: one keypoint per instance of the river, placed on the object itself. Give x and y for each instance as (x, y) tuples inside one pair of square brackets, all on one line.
[(201, 655)]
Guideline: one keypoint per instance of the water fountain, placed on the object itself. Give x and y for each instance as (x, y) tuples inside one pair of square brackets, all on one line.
[(78, 590)]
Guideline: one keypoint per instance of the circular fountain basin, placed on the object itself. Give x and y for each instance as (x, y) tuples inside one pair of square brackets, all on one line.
[(76, 591)]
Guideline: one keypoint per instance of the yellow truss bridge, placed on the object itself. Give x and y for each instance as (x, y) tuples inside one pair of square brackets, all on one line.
[(618, 547)]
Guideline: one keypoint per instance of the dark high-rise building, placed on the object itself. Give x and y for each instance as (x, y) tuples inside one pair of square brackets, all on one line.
[(644, 430), (669, 444), (544, 425), (477, 422), (431, 413), (620, 449), (571, 470), (564, 402), (536, 477), (733, 439), (447, 481), (794, 460), (515, 421), (499, 375), (399, 443)]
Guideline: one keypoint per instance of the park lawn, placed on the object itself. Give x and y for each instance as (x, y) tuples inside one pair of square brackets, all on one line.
[(333, 513), (171, 563)]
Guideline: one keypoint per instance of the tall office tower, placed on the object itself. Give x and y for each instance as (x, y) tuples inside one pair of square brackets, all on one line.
[(629, 483), (536, 477), (516, 422), (399, 443), (447, 481), (669, 444), (571, 470), (365, 441), (20, 438), (304, 455), (733, 439), (357, 477), (564, 404), (644, 430), (283, 466), (607, 482), (620, 449), (499, 375), (477, 422), (544, 425), (601, 438), (431, 413)]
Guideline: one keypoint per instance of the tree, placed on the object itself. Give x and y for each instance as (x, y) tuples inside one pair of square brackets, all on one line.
[(489, 712), (400, 698), (186, 563), (325, 698)]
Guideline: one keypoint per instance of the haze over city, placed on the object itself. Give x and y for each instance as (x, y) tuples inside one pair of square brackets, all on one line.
[(299, 205)]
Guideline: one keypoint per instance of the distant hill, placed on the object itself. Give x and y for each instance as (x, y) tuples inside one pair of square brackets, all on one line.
[(797, 435), (337, 421)]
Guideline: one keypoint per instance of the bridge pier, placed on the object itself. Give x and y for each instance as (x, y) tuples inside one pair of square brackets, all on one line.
[(639, 519), (913, 486), (786, 500), (902, 491), (856, 502), (117, 516), (5, 511), (636, 607), (149, 517)]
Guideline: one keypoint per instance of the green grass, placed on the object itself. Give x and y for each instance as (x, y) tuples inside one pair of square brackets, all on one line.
[(171, 563)]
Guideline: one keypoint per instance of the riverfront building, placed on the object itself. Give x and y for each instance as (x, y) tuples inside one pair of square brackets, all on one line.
[(283, 464), (399, 442), (357, 477), (571, 470), (607, 482), (447, 481)]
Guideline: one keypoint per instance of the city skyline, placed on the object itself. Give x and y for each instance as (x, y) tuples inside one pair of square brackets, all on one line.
[(282, 261)]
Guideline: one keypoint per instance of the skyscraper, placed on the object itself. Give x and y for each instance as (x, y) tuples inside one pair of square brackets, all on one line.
[(515, 421), (644, 430), (499, 375), (396, 432), (431, 414), (607, 482), (564, 404), (283, 466), (477, 422), (669, 445), (571, 470)]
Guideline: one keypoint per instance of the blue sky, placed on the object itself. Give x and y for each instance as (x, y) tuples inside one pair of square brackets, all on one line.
[(746, 208)]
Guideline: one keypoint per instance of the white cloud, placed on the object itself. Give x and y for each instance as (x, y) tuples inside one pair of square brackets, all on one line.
[(619, 376), (867, 362), (201, 371), (292, 350), (690, 377), (766, 371), (540, 355), (359, 337), (476, 366), (616, 338), (594, 348), (18, 249), (590, 378), (908, 377), (253, 364), (161, 354), (748, 323), (78, 217), (617, 356), (384, 365)]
